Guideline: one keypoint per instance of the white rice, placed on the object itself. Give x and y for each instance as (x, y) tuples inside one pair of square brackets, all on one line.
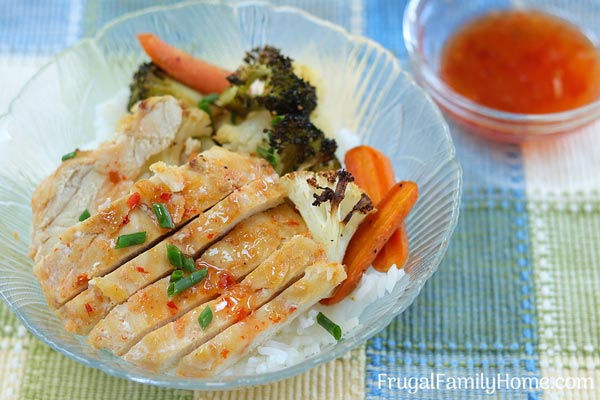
[(303, 336)]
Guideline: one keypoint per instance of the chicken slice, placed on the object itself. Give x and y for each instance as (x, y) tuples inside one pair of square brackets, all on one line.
[(240, 252), (104, 293), (88, 249), (160, 349), (229, 346), (157, 130)]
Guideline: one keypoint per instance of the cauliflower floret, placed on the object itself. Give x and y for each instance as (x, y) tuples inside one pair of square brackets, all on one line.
[(332, 207), (247, 135)]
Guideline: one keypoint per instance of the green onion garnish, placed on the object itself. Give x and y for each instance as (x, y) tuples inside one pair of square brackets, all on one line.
[(180, 260), (205, 103), (163, 216), (276, 119), (176, 275), (68, 156), (84, 215), (330, 326), (234, 118), (205, 317), (188, 264), (130, 240), (268, 155), (175, 256), (186, 282)]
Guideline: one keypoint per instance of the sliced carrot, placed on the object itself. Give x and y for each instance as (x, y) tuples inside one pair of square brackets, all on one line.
[(193, 72), (395, 251), (373, 172), (372, 235)]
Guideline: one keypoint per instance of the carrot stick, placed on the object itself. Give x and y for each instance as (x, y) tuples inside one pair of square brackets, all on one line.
[(373, 172), (193, 72), (395, 251), (372, 235)]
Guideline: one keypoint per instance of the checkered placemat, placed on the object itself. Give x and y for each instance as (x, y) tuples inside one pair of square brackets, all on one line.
[(516, 298)]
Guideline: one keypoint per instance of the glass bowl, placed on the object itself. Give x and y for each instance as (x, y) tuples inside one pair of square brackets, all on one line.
[(429, 23), (365, 92)]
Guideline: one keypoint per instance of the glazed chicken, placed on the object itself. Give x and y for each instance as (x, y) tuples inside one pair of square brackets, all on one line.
[(229, 346), (162, 348), (158, 129), (85, 310), (228, 261), (91, 248)]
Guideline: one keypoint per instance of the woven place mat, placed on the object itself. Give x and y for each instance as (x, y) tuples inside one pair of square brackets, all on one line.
[(516, 296)]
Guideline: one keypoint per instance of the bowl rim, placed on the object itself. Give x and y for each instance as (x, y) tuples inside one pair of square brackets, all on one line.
[(342, 347), (440, 88)]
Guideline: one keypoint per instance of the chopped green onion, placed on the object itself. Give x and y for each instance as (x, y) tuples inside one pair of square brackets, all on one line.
[(205, 103), (210, 98), (188, 264), (175, 256), (130, 240), (186, 282), (163, 216), (180, 260), (70, 155), (176, 275), (205, 317), (234, 118), (329, 326), (276, 119), (84, 215), (268, 155)]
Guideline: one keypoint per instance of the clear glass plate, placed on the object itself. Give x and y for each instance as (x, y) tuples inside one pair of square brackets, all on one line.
[(364, 91)]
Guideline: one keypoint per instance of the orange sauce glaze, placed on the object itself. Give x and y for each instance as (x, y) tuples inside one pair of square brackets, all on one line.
[(522, 61)]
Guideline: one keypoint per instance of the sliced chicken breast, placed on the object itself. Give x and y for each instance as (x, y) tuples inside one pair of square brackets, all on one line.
[(235, 342), (160, 349), (156, 130), (84, 311), (90, 248), (240, 252)]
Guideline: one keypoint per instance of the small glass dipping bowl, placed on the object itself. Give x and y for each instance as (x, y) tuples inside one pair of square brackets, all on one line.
[(429, 23)]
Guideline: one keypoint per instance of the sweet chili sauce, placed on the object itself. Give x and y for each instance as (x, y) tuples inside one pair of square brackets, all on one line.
[(522, 61)]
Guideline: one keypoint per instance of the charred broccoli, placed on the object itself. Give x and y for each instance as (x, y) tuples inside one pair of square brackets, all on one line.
[(267, 80), (150, 80), (296, 144)]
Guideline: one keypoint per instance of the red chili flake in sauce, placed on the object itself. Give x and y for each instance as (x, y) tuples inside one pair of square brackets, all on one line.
[(241, 313), (210, 235), (166, 196), (134, 200), (82, 279), (226, 280), (291, 222), (88, 308), (224, 353), (114, 176), (172, 305), (141, 270), (125, 220)]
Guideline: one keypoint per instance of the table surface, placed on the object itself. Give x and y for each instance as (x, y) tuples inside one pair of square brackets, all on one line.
[(516, 297)]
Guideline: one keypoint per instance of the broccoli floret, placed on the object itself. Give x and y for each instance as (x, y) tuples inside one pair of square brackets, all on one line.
[(297, 144), (150, 80), (331, 205), (267, 80)]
